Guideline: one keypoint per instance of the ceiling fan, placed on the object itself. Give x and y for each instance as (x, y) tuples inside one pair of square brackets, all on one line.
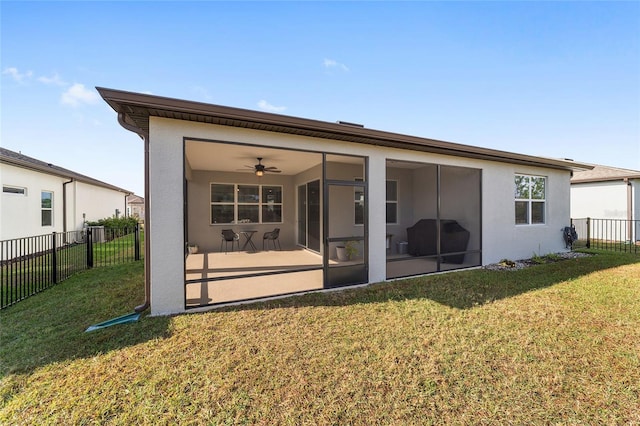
[(260, 169)]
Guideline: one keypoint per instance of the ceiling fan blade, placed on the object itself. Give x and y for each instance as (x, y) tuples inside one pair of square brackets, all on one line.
[(272, 171), (271, 168)]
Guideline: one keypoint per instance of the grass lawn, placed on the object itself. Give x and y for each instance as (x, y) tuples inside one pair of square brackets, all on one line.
[(557, 343)]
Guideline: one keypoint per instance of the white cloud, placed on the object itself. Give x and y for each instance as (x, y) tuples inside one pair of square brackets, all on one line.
[(16, 75), (77, 94), (333, 64), (271, 108), (54, 79), (201, 92)]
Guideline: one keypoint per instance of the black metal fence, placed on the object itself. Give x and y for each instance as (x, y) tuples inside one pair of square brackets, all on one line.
[(608, 234), (33, 264)]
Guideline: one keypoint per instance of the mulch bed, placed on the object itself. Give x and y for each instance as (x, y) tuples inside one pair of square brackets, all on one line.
[(514, 265)]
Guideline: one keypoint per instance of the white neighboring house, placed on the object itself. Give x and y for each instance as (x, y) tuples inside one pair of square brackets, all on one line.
[(607, 193), (217, 176), (40, 198)]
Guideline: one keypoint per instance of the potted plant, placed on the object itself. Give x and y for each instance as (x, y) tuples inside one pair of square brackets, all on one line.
[(347, 251), (192, 248)]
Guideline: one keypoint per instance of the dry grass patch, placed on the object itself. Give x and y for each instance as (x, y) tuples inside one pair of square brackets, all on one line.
[(556, 343)]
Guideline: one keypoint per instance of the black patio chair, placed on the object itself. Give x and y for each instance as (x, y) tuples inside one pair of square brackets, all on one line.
[(274, 237), (229, 236)]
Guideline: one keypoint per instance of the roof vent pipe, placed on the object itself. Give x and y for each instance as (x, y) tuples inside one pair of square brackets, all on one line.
[(346, 123)]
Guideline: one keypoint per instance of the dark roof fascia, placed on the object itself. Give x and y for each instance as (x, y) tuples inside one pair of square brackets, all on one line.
[(138, 107), (26, 162), (606, 179)]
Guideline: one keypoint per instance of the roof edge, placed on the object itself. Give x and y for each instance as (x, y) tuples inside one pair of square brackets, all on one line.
[(605, 179), (117, 99), (60, 172)]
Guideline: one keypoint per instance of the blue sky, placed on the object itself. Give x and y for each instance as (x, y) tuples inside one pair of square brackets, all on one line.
[(555, 79)]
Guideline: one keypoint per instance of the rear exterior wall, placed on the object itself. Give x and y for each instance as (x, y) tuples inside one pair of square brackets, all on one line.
[(501, 237)]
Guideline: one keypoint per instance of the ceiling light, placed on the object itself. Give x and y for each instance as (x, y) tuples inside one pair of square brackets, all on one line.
[(259, 173)]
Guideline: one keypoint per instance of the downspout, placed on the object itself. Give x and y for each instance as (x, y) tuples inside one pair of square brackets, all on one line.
[(64, 205), (147, 235), (629, 209)]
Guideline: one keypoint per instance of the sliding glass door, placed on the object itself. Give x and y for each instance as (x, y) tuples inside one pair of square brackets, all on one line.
[(309, 215)]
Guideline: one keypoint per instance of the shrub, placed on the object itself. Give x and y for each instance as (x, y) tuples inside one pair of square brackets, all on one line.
[(115, 222), (507, 263)]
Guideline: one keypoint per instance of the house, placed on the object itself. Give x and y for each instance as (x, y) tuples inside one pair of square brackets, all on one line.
[(135, 206), (609, 193), (40, 198), (227, 183)]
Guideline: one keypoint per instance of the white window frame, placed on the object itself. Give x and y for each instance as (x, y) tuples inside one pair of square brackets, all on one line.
[(13, 190), (260, 203), (49, 209), (357, 190), (388, 201), (529, 200)]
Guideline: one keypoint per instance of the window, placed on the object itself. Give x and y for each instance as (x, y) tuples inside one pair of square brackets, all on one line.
[(6, 189), (46, 206), (358, 199), (238, 203), (530, 199), (271, 204), (392, 201)]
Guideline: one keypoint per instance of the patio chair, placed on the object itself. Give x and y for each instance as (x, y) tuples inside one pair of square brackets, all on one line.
[(229, 236), (272, 236)]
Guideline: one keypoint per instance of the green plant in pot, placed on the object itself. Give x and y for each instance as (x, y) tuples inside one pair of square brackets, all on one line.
[(347, 251)]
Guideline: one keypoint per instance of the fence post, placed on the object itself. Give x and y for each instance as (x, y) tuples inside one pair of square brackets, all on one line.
[(54, 259), (588, 232), (137, 242), (89, 248)]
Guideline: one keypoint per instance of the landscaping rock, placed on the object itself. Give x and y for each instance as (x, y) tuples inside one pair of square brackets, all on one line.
[(511, 265)]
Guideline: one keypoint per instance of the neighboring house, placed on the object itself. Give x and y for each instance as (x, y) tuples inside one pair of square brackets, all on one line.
[(400, 205), (608, 193), (135, 206), (40, 198)]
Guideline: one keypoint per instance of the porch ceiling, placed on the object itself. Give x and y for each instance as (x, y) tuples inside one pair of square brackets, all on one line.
[(233, 158), (137, 108)]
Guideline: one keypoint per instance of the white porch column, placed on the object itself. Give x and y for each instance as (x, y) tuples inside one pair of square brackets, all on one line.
[(166, 222), (377, 218)]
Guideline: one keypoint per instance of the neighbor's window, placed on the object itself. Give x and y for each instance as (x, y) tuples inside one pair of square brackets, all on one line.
[(46, 206), (392, 201), (7, 189), (530, 198), (238, 203)]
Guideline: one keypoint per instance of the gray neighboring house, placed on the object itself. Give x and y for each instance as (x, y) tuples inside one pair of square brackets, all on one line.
[(607, 193)]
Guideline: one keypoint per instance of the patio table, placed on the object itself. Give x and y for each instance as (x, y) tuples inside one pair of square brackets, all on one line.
[(248, 235)]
